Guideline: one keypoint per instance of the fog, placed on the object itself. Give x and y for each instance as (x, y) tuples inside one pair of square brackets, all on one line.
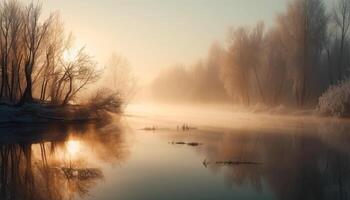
[(299, 59), (291, 63), (200, 82)]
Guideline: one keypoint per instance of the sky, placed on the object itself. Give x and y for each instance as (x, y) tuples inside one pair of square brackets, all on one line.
[(155, 34)]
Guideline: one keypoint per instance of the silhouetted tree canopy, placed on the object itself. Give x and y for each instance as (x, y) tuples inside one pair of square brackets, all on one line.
[(33, 61)]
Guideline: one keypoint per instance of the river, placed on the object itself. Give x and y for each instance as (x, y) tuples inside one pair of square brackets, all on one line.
[(164, 152)]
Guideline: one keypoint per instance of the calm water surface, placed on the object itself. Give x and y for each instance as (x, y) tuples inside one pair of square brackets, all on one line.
[(233, 156)]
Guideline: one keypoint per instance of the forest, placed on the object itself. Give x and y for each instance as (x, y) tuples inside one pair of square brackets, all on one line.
[(301, 61)]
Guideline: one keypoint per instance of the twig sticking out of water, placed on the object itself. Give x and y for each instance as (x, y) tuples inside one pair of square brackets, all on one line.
[(149, 129), (154, 128), (185, 128)]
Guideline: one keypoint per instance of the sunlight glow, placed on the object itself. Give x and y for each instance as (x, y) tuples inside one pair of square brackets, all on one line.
[(70, 54), (73, 147)]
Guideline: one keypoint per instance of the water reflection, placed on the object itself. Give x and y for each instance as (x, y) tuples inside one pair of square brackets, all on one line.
[(73, 147), (312, 162), (56, 162), (304, 160)]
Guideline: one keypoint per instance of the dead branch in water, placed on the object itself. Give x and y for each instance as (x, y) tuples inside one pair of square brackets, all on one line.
[(194, 144), (229, 162)]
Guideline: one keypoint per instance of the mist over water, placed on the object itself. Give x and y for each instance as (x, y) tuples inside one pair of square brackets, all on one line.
[(297, 156), (225, 153)]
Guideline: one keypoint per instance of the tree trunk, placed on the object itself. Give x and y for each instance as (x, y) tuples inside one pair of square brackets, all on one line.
[(66, 98), (259, 85), (27, 95)]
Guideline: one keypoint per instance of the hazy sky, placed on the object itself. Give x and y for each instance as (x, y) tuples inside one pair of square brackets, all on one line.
[(154, 34)]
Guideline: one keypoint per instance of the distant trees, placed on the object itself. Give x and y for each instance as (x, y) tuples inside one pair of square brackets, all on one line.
[(264, 62), (32, 57), (173, 84), (341, 21), (237, 65), (200, 82), (275, 67), (306, 50), (210, 84), (119, 78), (303, 27), (291, 58), (242, 61)]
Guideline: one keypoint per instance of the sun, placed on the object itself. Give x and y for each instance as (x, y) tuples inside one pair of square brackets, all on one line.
[(70, 54)]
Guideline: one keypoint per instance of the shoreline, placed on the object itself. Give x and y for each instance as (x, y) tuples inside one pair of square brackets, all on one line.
[(46, 114)]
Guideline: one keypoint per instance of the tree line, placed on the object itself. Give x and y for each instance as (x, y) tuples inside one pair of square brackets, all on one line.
[(199, 82), (37, 60), (292, 62)]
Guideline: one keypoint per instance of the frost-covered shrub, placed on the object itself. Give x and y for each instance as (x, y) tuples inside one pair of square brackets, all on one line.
[(336, 100), (106, 99)]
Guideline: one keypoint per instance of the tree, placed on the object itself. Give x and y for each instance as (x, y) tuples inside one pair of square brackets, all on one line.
[(34, 33), (11, 27), (32, 56), (235, 68), (242, 62), (55, 45), (275, 66), (76, 74), (119, 78), (341, 18), (303, 28), (200, 82), (256, 55)]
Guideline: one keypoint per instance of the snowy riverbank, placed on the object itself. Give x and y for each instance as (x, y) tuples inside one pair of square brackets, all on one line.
[(41, 113)]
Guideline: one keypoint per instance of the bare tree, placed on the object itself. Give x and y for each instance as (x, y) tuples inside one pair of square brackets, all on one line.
[(76, 74), (341, 17), (55, 45), (10, 26), (235, 68), (304, 29), (17, 52), (330, 58), (32, 56), (256, 55), (34, 32), (243, 59), (275, 67), (119, 77), (200, 82)]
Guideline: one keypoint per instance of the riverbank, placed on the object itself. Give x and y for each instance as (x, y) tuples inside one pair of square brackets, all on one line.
[(45, 113)]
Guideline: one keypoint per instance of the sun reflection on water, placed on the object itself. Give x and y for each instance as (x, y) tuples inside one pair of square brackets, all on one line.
[(73, 147)]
